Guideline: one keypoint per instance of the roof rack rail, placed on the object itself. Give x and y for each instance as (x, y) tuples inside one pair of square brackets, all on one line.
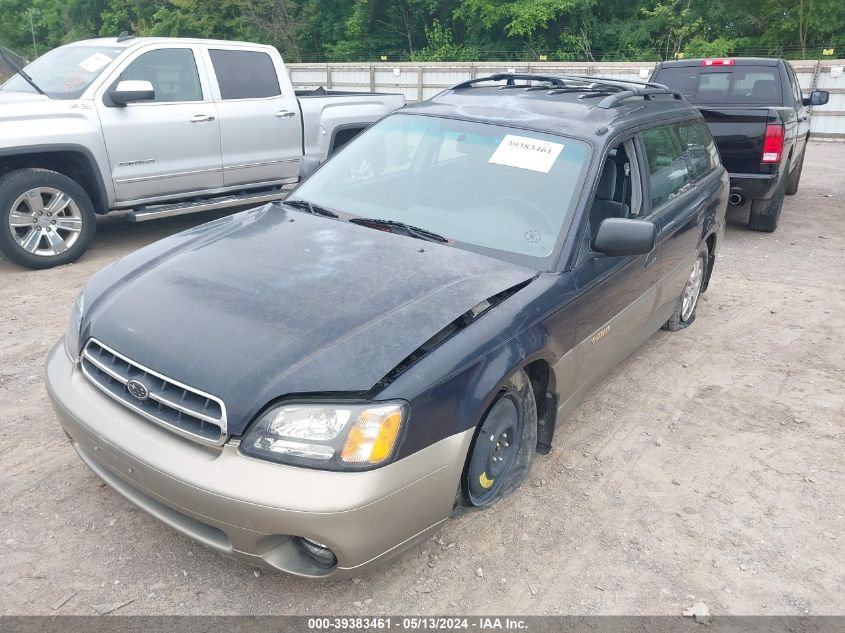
[(624, 89), (616, 82), (611, 100), (510, 78)]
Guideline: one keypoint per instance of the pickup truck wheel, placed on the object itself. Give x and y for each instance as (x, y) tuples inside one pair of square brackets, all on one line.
[(765, 214), (795, 177), (503, 450), (684, 313), (46, 219)]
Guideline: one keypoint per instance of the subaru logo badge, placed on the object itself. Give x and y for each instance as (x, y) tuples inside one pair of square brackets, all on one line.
[(138, 389)]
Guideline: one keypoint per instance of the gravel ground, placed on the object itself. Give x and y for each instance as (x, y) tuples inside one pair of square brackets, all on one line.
[(707, 467)]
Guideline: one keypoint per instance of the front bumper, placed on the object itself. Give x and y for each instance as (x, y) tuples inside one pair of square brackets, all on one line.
[(248, 508)]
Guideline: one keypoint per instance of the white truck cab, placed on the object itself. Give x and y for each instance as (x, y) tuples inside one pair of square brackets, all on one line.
[(156, 127)]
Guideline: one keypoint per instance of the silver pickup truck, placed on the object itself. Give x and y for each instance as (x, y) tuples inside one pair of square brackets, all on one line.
[(156, 127)]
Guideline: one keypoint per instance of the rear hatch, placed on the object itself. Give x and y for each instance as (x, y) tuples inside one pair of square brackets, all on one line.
[(736, 100)]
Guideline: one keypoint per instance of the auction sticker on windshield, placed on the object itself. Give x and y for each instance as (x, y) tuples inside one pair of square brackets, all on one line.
[(525, 152), (95, 62)]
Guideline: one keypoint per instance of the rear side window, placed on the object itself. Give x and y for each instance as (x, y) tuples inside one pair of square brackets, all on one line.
[(667, 168), (793, 80), (245, 74), (698, 146), (724, 84)]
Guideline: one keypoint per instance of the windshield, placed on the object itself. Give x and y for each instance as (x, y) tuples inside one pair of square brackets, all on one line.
[(724, 84), (65, 72), (501, 191)]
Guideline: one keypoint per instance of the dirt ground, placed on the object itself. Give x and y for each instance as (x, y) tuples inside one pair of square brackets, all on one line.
[(707, 467)]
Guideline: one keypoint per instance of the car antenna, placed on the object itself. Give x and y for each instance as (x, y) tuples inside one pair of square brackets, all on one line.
[(124, 36)]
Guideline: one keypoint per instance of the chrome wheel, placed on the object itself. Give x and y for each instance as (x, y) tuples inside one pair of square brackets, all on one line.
[(692, 289), (45, 221)]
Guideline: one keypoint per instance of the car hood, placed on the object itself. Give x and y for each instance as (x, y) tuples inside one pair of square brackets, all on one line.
[(14, 103), (270, 303), (27, 118), (14, 97)]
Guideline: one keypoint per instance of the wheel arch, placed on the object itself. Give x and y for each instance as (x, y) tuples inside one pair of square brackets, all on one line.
[(74, 161), (710, 241), (342, 134), (538, 368)]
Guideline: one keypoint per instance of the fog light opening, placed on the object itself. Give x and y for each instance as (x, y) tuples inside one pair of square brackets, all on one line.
[(316, 551)]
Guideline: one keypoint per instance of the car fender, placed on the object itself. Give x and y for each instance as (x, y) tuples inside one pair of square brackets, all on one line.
[(452, 387), (98, 183)]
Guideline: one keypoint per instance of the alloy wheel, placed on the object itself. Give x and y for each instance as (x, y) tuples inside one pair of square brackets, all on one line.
[(692, 289), (45, 221)]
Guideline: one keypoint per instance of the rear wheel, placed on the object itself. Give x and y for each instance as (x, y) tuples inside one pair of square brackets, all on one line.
[(795, 176), (46, 219), (684, 313), (765, 214), (504, 447)]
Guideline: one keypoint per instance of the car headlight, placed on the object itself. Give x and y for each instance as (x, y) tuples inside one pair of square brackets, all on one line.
[(335, 436), (74, 326)]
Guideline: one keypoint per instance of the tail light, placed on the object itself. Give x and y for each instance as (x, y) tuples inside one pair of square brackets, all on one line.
[(773, 144), (718, 62)]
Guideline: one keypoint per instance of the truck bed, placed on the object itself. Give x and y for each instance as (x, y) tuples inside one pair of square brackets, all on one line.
[(322, 92), (345, 114)]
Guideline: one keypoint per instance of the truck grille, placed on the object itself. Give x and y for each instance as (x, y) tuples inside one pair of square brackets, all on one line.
[(167, 402)]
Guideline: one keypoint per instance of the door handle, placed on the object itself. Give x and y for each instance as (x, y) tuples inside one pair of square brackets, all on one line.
[(283, 114), (201, 118)]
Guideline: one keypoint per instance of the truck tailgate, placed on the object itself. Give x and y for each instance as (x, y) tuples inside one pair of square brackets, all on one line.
[(739, 134)]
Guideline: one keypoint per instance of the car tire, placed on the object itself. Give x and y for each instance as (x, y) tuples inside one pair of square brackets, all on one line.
[(33, 235), (502, 452), (795, 177), (685, 307), (765, 214)]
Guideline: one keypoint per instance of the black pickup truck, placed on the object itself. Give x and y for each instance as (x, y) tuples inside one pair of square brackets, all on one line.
[(760, 120)]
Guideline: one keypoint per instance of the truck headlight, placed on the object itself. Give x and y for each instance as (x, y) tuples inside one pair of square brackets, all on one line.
[(330, 436), (74, 326)]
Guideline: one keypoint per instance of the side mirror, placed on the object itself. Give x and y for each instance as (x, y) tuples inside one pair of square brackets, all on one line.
[(131, 91), (816, 98), (307, 166), (619, 237)]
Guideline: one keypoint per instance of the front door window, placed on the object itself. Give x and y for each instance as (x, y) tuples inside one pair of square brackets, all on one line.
[(171, 71)]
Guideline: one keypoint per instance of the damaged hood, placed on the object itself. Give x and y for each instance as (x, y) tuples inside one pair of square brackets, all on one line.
[(270, 302)]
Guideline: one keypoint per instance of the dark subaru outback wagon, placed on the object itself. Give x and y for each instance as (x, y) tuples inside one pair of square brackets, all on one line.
[(316, 385)]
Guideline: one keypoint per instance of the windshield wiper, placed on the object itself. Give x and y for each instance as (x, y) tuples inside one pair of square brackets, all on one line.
[(20, 71), (394, 226), (310, 207)]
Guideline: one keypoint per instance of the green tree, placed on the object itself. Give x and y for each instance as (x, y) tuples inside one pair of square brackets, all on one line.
[(674, 23), (448, 29), (807, 23)]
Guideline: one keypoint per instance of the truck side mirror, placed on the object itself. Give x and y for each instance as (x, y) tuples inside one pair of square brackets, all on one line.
[(131, 91), (307, 166), (620, 237), (816, 98)]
